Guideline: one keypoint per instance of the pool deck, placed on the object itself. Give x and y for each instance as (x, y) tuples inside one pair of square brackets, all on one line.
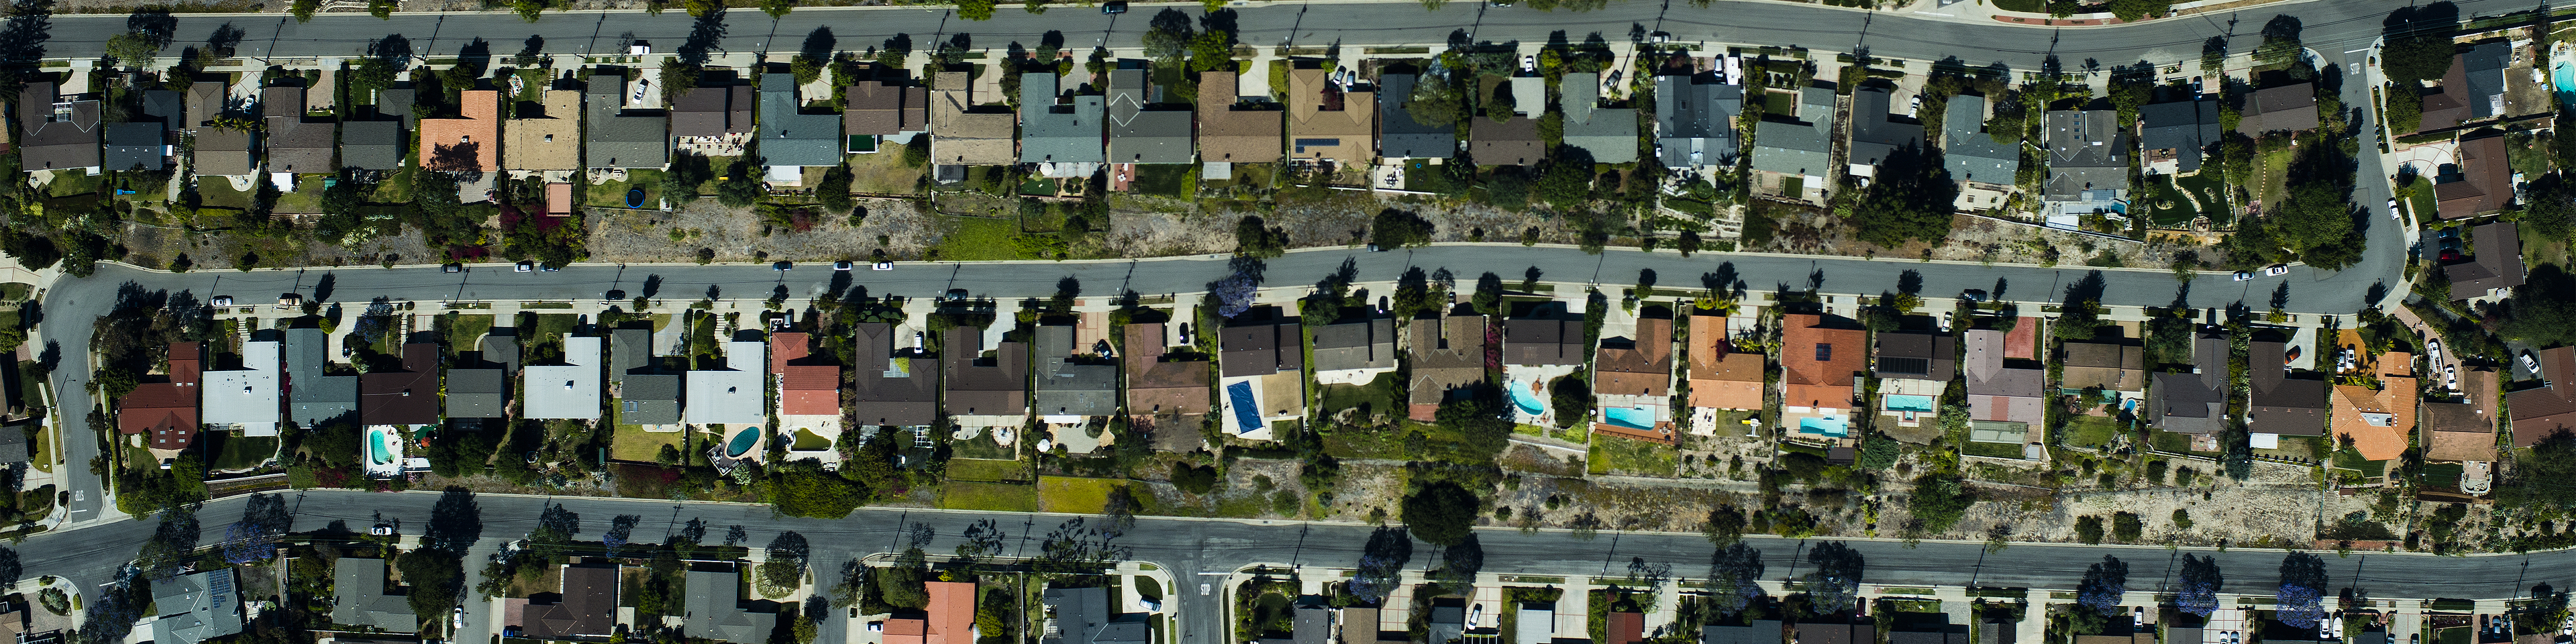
[(374, 438)]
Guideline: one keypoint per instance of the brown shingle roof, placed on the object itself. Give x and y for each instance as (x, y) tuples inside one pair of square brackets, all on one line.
[(2110, 366), (2457, 432), (1261, 348), (2545, 410), (166, 410), (978, 386), (2280, 404), (1512, 142), (884, 106), (1231, 135), (1644, 368), (1157, 386), (712, 111), (549, 139), (2498, 263), (1447, 352), (890, 390), (2484, 183), (1542, 341), (406, 397), (1325, 123), (2288, 108), (959, 134)]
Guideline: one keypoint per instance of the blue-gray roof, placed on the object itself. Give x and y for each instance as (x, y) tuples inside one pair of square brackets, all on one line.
[(1695, 122), (197, 607), (1399, 136), (1139, 135), (1798, 148), (1610, 134), (1875, 132), (2485, 64), (614, 139), (132, 145), (1967, 151), (312, 397), (2183, 126), (374, 145), (1051, 133), (788, 137)]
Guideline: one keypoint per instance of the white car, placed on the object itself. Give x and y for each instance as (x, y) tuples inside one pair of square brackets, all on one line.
[(525, 266), (2530, 364), (2393, 215), (223, 300), (460, 618), (2277, 270), (2242, 276), (2433, 350), (842, 265), (882, 266), (1529, 63), (2451, 377)]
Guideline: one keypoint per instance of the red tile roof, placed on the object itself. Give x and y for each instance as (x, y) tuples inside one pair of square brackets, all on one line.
[(786, 347), (1818, 362), (952, 613), (167, 410), (809, 390)]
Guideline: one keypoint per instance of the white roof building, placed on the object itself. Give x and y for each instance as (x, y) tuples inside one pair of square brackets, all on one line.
[(569, 390), (247, 399), (736, 395)]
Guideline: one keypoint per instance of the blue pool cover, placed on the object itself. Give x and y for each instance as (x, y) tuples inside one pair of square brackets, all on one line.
[(1246, 418)]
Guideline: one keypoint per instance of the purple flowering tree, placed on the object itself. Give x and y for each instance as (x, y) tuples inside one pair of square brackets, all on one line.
[(2200, 584), (2103, 586)]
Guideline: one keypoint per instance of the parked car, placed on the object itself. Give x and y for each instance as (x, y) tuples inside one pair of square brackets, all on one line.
[(2242, 276), (382, 530), (2433, 350), (549, 268), (1529, 63), (843, 265), (780, 266), (2276, 270), (452, 268), (1973, 295), (223, 300), (957, 295), (2451, 377), (2530, 363), (882, 266), (290, 299), (525, 266), (1114, 7), (2393, 215)]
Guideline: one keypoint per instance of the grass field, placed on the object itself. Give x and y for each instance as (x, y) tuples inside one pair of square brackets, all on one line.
[(1175, 180), (984, 469), (463, 330), (2540, 249), (1077, 495), (613, 194), (1994, 450), (240, 452), (1626, 456), (2422, 204), (305, 200), (885, 172), (988, 497), (2090, 431), (973, 238), (2271, 175), (632, 443), (1380, 396)]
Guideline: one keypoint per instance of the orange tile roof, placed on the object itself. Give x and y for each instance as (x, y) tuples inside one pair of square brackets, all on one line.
[(786, 347), (477, 130), (2356, 406), (810, 390), (952, 613), (1817, 363), (2022, 342), (1720, 376), (905, 630)]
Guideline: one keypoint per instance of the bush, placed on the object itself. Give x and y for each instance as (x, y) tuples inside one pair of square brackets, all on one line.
[(1194, 479), (2126, 527), (2088, 529), (1441, 513)]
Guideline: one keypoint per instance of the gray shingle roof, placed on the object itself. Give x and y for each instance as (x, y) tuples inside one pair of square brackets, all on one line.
[(789, 136), (56, 132), (1967, 151), (1875, 132), (1368, 344), (1610, 134), (1399, 136), (1798, 148), (1067, 388), (2186, 127), (716, 610), (197, 607), (2087, 150), (359, 598), (650, 399), (371, 145), (615, 139), (1139, 135), (133, 145), (312, 397), (1057, 133), (1695, 121), (475, 393), (1084, 616), (2193, 403)]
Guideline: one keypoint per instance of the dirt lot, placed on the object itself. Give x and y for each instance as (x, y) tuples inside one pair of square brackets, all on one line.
[(155, 247), (1816, 232), (734, 233), (2278, 506)]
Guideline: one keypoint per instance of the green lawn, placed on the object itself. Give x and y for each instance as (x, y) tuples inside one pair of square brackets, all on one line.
[(2170, 442), (215, 192), (1037, 185), (976, 238), (15, 291), (2167, 205), (463, 330), (885, 172), (2271, 172), (2422, 205), (66, 184), (613, 193), (2212, 193), (1175, 180), (2024, 6), (2453, 635), (1628, 456), (1076, 495), (305, 200), (1382, 395), (981, 447), (986, 469), (632, 443), (240, 452), (1994, 450), (2090, 431), (807, 441), (988, 497)]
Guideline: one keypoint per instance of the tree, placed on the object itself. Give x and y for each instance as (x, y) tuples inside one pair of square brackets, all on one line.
[(1435, 100), (2281, 44), (779, 8), (2417, 43), (1398, 229), (1940, 498), (2316, 221), (134, 49), (1440, 513), (1169, 35), (1735, 573), (978, 10), (1566, 183), (2088, 529), (303, 9), (2213, 54), (783, 569), (1381, 564), (2103, 585), (1255, 238), (834, 190), (1833, 586), (1488, 298), (2300, 600), (381, 9), (529, 10), (1911, 199), (1725, 525), (2126, 527), (1571, 398), (2200, 583), (2134, 9)]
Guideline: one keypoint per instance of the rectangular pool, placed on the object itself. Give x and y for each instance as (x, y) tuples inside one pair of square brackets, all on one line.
[(1832, 426), (1903, 402)]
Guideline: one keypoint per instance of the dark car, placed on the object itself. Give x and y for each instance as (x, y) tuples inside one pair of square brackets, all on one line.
[(1114, 7), (1973, 295)]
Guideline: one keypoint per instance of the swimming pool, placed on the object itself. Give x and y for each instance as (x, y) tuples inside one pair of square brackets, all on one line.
[(743, 442), (1833, 426), (381, 446), (1247, 416), (1630, 417), (2562, 77), (1523, 398), (1916, 404)]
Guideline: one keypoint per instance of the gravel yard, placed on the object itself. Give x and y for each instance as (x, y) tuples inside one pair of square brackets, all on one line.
[(735, 234)]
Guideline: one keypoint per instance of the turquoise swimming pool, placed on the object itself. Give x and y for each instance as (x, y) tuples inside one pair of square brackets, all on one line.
[(2562, 77), (742, 442), (1523, 398), (1916, 404), (381, 446), (1630, 417), (1831, 426)]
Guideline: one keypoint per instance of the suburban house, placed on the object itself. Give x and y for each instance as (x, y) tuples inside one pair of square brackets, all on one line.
[(1876, 133), (651, 400), (1329, 122), (373, 145), (1540, 347), (142, 142), (1632, 381), (2005, 394), (361, 599), (1261, 367), (985, 392), (736, 395), (2114, 367), (1786, 150), (716, 610), (2088, 152), (1537, 622), (1074, 383), (1969, 152), (470, 142), (1139, 133), (544, 136), (2539, 412), (2281, 405), (2193, 402), (2481, 181), (889, 388), (477, 392), (790, 137), (1354, 352), (619, 138), (886, 106), (1914, 369), (1695, 121), (2462, 428), (217, 149), (1821, 359), (809, 386), (313, 396), (964, 133), (568, 391), (57, 132), (1401, 137), (584, 606), (2472, 90), (630, 351), (950, 617), (166, 410), (1055, 132), (712, 120), (2495, 268), (2288, 108), (1513, 141), (2378, 422), (405, 397), (1447, 352), (296, 145), (1759, 631), (1720, 376), (2176, 135), (1085, 616), (196, 607), (1229, 130), (1608, 133), (1156, 384), (246, 399), (1830, 632)]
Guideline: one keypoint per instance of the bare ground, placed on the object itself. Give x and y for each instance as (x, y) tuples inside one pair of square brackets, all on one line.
[(155, 247), (735, 234)]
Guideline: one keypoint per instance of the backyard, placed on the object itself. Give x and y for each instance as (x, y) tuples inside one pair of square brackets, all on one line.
[(1075, 495), (2090, 431), (631, 443), (1631, 457), (988, 497), (884, 173), (613, 194)]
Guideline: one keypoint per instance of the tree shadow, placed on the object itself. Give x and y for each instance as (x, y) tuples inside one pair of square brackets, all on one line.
[(819, 44), (1910, 282), (2087, 289), (226, 40), (154, 24), (705, 35), (322, 287), (652, 285)]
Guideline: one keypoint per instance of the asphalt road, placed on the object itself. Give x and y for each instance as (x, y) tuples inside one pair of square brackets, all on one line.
[(2328, 26), (1189, 547)]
